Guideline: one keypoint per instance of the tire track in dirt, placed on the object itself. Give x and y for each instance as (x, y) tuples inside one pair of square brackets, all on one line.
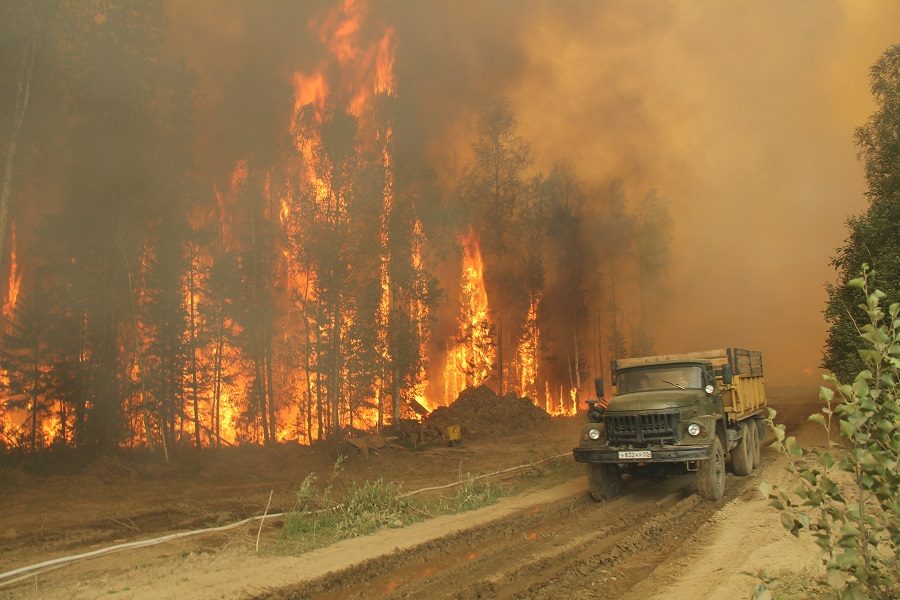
[(572, 548)]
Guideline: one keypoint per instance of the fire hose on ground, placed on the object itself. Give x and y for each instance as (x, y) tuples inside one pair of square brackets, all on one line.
[(10, 577)]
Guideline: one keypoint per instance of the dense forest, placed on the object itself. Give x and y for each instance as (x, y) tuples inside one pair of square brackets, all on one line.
[(330, 278), (874, 236)]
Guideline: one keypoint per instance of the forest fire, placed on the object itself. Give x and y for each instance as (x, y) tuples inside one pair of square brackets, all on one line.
[(471, 359), (527, 353), (300, 301), (283, 278)]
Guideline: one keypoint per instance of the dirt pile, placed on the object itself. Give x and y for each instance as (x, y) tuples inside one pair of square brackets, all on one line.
[(479, 411)]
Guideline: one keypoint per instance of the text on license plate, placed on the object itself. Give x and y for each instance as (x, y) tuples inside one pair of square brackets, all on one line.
[(634, 454)]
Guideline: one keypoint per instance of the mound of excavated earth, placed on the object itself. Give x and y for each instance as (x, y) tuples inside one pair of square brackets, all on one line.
[(480, 411)]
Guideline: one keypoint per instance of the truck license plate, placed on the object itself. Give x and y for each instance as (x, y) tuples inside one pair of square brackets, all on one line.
[(634, 454)]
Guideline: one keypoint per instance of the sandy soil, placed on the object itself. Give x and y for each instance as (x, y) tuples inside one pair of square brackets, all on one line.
[(545, 544), (711, 565)]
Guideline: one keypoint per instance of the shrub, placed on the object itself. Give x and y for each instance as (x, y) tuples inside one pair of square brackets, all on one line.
[(472, 493), (846, 494)]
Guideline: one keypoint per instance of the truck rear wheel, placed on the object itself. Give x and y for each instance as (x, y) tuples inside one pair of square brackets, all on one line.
[(605, 481), (754, 448), (742, 454), (711, 473)]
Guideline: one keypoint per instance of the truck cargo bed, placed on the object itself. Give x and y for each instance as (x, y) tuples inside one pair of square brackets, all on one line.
[(743, 362)]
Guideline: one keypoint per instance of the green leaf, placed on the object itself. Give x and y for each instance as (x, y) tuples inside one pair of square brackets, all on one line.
[(765, 489), (827, 459), (826, 394), (817, 418), (847, 428), (835, 578), (857, 282), (787, 521), (779, 432), (793, 447), (869, 356), (848, 558), (761, 593)]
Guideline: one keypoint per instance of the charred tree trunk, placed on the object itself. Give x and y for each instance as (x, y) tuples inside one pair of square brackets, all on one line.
[(192, 331), (63, 423), (270, 391), (320, 423), (260, 390), (110, 342), (382, 389), (79, 435), (23, 95), (35, 382), (166, 408), (500, 354), (577, 364), (307, 370), (217, 383), (256, 333), (336, 370)]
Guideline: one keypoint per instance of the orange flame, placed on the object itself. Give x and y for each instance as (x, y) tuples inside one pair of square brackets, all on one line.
[(420, 313), (15, 278), (310, 91), (384, 64), (527, 353), (471, 361)]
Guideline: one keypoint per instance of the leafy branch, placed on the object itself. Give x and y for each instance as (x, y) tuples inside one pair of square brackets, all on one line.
[(846, 494)]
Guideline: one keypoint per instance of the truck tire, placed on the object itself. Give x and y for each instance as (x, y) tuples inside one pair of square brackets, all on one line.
[(711, 473), (742, 454), (754, 448), (605, 481)]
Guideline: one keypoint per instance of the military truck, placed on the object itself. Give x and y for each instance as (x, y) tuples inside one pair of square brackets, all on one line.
[(688, 412)]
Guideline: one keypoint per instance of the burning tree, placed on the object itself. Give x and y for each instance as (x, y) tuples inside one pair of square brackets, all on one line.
[(471, 360), (493, 187), (288, 290)]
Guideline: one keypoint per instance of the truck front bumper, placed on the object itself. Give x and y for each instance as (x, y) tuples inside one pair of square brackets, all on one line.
[(657, 455)]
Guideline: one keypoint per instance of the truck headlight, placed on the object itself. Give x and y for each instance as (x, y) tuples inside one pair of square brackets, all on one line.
[(693, 429), (594, 434)]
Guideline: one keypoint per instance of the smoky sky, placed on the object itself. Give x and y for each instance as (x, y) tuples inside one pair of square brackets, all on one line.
[(740, 114)]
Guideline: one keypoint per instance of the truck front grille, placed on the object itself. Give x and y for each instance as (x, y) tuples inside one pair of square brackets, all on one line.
[(642, 428)]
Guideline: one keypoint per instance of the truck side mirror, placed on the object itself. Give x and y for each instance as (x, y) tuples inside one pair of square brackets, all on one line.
[(598, 387), (727, 375), (595, 413)]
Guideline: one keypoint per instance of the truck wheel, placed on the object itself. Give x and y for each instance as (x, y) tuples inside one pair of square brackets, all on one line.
[(754, 449), (742, 454), (605, 481), (711, 473)]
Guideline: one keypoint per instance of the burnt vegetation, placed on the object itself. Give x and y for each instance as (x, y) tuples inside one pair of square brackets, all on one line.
[(322, 276)]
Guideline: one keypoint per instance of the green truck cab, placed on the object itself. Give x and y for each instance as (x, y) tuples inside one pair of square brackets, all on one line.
[(693, 411)]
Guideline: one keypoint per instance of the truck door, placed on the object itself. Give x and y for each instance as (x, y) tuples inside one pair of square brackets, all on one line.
[(709, 378)]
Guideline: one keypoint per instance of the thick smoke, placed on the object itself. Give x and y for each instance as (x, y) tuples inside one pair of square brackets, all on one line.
[(740, 114)]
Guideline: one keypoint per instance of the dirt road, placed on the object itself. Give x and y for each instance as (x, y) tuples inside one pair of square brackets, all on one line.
[(552, 543), (567, 547)]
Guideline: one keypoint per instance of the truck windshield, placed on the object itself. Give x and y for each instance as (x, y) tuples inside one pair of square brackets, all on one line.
[(659, 378)]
